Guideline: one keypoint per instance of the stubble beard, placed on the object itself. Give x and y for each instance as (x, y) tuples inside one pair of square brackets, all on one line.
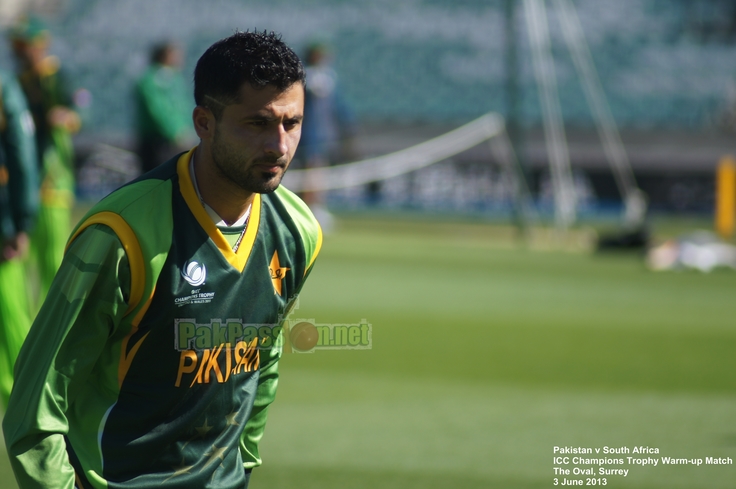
[(232, 166)]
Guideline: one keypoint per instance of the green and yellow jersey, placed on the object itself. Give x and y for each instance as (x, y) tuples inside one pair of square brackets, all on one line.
[(154, 358)]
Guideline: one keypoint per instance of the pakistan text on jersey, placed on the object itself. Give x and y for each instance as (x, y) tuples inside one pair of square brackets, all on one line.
[(217, 364), (189, 335)]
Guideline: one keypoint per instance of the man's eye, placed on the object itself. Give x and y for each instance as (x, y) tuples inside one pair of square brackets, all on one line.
[(289, 125)]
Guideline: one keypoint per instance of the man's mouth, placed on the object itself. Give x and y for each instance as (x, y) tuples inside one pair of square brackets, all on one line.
[(270, 166)]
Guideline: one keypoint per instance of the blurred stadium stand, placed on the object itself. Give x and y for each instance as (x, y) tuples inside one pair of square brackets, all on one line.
[(414, 69)]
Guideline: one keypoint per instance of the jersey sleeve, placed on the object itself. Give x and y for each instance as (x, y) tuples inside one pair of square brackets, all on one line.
[(306, 225), (84, 306), (265, 394)]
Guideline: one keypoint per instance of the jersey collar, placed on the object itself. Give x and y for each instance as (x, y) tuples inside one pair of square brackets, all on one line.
[(239, 258)]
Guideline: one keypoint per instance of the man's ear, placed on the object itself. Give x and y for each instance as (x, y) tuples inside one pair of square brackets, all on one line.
[(204, 122)]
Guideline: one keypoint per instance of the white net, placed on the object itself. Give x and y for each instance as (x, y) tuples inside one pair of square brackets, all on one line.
[(401, 162), (430, 176)]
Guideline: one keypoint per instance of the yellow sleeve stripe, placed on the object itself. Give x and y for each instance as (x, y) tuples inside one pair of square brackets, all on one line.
[(131, 246)]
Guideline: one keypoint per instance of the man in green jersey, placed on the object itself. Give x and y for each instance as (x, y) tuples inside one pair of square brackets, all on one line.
[(163, 116), (154, 358), (18, 208)]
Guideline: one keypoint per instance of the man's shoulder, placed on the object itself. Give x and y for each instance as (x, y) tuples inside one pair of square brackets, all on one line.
[(143, 204), (147, 75), (296, 210), (147, 190), (10, 89), (301, 219)]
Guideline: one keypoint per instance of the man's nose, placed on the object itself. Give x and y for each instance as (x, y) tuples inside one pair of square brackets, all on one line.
[(277, 142)]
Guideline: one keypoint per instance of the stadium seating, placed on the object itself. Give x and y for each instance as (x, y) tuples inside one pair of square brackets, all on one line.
[(445, 64)]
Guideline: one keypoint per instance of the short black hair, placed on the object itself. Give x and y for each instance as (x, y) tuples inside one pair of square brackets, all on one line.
[(258, 58)]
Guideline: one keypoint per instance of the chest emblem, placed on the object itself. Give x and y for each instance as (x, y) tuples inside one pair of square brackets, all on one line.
[(277, 272), (194, 273)]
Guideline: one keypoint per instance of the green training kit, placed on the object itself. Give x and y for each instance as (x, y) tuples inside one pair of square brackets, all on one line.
[(154, 358)]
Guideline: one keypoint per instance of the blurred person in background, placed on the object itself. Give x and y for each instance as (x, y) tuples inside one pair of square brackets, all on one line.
[(164, 108), (50, 101), (18, 208), (329, 125)]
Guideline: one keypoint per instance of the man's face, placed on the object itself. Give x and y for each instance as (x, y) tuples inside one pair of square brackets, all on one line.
[(173, 57), (255, 139), (33, 51)]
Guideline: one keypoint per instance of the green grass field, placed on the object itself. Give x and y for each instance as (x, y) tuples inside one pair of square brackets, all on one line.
[(487, 354)]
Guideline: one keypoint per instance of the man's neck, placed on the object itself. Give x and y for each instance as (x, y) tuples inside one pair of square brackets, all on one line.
[(230, 203)]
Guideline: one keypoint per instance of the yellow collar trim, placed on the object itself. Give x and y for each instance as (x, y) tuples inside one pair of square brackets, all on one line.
[(236, 259)]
